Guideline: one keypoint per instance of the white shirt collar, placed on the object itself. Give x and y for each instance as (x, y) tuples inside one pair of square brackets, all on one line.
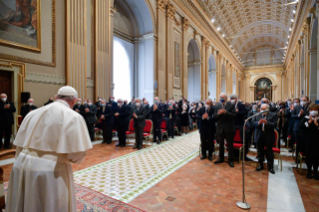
[(63, 102)]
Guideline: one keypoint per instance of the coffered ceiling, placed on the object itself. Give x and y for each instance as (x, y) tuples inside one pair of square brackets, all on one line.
[(249, 24)]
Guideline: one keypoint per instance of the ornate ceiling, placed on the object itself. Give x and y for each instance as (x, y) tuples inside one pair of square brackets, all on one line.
[(249, 24)]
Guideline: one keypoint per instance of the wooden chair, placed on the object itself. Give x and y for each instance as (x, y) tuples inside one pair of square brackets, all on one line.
[(276, 150), (98, 130), (19, 119), (301, 157), (2, 196), (237, 143)]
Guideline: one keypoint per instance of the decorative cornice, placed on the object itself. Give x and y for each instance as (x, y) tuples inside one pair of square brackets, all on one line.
[(113, 11), (161, 4), (45, 79), (171, 11), (185, 24)]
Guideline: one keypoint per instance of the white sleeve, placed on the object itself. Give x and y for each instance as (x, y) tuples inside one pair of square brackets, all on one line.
[(18, 150), (77, 157)]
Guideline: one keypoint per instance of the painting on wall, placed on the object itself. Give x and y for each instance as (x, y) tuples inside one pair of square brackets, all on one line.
[(20, 24), (263, 89), (177, 64)]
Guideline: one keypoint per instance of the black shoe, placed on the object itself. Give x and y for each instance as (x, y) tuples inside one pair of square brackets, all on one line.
[(139, 148), (259, 168), (118, 145), (210, 158), (172, 137), (203, 157), (248, 159), (158, 142), (135, 147), (108, 142), (290, 150), (309, 175), (154, 141), (219, 161), (316, 176), (272, 171), (123, 145), (231, 164), (103, 142)]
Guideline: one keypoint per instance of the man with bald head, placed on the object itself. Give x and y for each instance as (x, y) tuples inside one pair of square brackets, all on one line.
[(264, 128), (6, 119), (25, 109)]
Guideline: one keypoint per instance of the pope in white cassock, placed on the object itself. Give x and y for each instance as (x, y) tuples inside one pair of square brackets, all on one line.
[(49, 140)]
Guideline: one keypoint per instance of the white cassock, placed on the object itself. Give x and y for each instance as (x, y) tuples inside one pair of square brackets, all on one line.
[(49, 140)]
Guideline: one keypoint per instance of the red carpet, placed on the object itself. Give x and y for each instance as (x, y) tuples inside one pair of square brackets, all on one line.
[(89, 200)]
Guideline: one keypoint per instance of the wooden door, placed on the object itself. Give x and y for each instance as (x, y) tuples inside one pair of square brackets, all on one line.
[(5, 83)]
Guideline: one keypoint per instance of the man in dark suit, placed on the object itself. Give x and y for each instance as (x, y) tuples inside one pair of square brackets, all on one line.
[(157, 111), (122, 116), (297, 113), (79, 107), (139, 116), (148, 108), (107, 122), (170, 117), (25, 109), (265, 135), (49, 102), (207, 129), (225, 114), (90, 117), (249, 127), (239, 121), (6, 120), (99, 110), (112, 103)]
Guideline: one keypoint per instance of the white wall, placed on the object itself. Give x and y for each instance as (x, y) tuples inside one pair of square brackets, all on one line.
[(194, 83)]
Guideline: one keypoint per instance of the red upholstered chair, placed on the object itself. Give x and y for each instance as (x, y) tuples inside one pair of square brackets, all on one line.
[(195, 125), (164, 129), (98, 130), (147, 132), (131, 130), (276, 150), (237, 143)]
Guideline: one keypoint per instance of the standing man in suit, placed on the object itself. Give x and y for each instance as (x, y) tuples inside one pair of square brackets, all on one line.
[(98, 105), (170, 115), (112, 103), (107, 122), (157, 111), (225, 113), (207, 129), (6, 119), (90, 117), (25, 109), (239, 121), (78, 107), (297, 113), (265, 135), (139, 116), (122, 116), (148, 108)]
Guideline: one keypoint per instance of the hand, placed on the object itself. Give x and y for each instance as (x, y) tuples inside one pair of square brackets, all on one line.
[(134, 115), (87, 110), (292, 107), (98, 108), (310, 119), (301, 112), (103, 117), (261, 121), (281, 110), (155, 107), (205, 116), (170, 107), (77, 110), (116, 114), (220, 112), (237, 110), (223, 110), (8, 106)]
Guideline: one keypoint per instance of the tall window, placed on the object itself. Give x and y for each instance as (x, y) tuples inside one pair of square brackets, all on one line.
[(123, 69)]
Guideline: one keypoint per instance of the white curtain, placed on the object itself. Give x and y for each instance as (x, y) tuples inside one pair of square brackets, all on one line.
[(123, 63)]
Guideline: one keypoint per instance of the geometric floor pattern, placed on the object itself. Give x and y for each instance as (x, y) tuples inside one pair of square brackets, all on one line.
[(126, 177)]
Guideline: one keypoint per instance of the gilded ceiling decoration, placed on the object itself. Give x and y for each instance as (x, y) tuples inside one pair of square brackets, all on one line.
[(248, 24)]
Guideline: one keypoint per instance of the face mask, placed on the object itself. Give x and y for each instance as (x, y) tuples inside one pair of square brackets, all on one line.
[(263, 103), (170, 104), (281, 107), (103, 105), (233, 101), (137, 104), (90, 103), (254, 110), (156, 102), (119, 104), (314, 113), (303, 103), (30, 104), (207, 106), (85, 103), (296, 104), (100, 100), (79, 103), (111, 100), (4, 99), (289, 103), (222, 100), (262, 111)]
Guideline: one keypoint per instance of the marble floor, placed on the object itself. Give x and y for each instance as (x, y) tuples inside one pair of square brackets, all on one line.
[(191, 184)]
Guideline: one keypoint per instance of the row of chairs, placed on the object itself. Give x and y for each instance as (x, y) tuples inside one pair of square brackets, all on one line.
[(238, 144)]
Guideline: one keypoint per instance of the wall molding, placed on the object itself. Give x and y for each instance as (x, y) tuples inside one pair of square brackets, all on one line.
[(45, 79)]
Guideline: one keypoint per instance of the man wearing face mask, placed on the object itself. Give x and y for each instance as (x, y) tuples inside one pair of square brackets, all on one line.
[(98, 106), (6, 119), (225, 113), (171, 116), (49, 102), (112, 103), (297, 114), (122, 115), (25, 109), (90, 117), (107, 122), (240, 118), (304, 102), (157, 111), (265, 124), (78, 107), (139, 116), (207, 129)]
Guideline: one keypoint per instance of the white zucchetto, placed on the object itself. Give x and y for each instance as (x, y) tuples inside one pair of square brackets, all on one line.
[(67, 91)]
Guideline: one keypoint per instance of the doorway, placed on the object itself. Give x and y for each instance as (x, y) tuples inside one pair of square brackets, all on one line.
[(6, 83)]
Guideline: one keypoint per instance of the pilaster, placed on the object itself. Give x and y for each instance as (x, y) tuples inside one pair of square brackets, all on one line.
[(185, 27)]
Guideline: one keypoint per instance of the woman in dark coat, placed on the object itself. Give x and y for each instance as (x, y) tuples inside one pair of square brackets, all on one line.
[(310, 127)]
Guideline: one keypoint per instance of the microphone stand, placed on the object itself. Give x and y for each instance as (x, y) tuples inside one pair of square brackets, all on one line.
[(243, 204)]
